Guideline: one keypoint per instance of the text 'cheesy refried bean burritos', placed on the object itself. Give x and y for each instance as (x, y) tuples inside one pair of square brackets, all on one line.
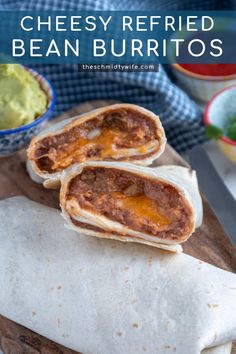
[(156, 206), (120, 132)]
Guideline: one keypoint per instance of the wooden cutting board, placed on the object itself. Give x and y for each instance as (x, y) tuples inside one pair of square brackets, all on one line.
[(209, 243)]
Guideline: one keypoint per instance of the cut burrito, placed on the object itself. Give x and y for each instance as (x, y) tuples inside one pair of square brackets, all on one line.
[(157, 206), (120, 132)]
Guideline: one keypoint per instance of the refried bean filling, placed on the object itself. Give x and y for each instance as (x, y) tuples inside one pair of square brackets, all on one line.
[(108, 137), (140, 203)]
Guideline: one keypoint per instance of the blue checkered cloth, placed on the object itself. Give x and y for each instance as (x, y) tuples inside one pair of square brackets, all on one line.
[(181, 117)]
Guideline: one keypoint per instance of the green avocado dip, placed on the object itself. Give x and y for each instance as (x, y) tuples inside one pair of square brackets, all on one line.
[(21, 98)]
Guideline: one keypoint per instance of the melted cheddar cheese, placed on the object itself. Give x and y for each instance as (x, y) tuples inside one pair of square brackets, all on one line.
[(78, 151), (142, 207)]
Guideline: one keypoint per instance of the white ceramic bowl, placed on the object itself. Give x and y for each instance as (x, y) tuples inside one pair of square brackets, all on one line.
[(219, 110)]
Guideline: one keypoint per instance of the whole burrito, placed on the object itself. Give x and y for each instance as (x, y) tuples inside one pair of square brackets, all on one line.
[(157, 206), (102, 297), (120, 132)]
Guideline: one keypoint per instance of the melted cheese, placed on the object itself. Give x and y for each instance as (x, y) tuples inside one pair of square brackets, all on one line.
[(142, 207), (105, 142)]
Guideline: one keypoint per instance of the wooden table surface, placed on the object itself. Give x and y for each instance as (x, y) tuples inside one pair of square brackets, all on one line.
[(209, 243)]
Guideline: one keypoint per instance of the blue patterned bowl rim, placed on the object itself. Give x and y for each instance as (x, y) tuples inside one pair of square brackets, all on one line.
[(44, 116)]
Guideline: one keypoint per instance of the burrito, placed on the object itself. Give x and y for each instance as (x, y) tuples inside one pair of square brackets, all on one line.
[(120, 132), (102, 297), (157, 206)]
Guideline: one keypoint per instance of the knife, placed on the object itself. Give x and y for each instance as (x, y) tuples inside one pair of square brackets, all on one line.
[(218, 195)]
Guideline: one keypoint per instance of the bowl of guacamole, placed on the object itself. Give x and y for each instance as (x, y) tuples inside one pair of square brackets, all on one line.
[(27, 99)]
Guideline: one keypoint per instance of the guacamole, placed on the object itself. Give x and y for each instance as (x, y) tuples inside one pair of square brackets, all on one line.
[(21, 98)]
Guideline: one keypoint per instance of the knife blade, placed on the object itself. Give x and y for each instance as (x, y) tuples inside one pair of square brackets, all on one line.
[(222, 202)]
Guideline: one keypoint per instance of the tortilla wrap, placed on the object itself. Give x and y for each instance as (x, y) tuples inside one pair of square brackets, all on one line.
[(156, 220), (101, 296), (119, 132)]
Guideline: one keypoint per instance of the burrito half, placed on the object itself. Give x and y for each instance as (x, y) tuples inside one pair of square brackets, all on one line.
[(120, 132), (157, 206)]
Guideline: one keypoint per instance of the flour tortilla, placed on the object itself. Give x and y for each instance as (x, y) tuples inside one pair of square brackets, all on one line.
[(52, 180), (100, 296), (182, 178)]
